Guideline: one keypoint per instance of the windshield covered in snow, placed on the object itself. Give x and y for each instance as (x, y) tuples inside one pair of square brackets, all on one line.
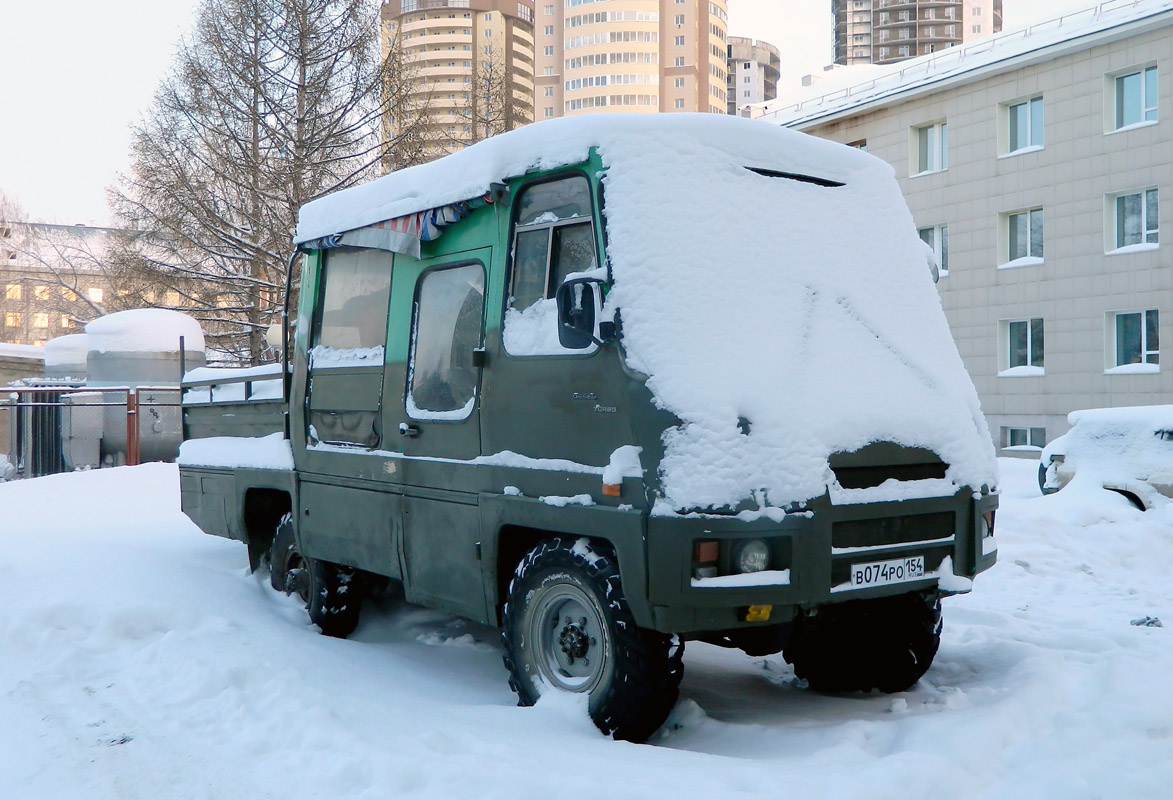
[(793, 296)]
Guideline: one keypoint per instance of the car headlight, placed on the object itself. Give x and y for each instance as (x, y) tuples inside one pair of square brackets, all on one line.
[(752, 555)]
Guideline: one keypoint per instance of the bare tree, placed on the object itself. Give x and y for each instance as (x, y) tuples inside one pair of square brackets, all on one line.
[(269, 104), (495, 102), (13, 232)]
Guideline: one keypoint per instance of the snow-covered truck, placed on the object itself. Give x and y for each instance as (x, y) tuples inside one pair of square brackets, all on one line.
[(614, 383)]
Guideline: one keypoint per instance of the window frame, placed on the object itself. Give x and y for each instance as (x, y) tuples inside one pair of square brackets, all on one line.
[(413, 337), (933, 152), (596, 200), (1112, 231), (1150, 357), (1114, 111), (1034, 347), (1006, 257), (940, 245), (1008, 128), (1030, 430)]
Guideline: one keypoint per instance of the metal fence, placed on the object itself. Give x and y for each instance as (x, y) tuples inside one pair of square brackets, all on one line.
[(53, 428)]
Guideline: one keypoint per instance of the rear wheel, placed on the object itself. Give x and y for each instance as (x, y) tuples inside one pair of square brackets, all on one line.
[(329, 591), (885, 644), (568, 628)]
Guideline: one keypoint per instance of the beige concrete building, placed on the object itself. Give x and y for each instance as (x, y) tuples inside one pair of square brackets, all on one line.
[(1035, 166), (754, 68), (473, 63), (630, 56), (42, 294), (886, 31)]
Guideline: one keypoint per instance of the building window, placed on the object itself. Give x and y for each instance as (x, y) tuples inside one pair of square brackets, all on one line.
[(1136, 97), (976, 29), (1137, 337), (859, 144), (1136, 219), (12, 319), (67, 321), (549, 30), (680, 41), (678, 83), (549, 91), (1034, 438), (932, 148), (678, 61), (1026, 124), (1024, 235), (679, 19), (548, 10), (41, 292), (41, 320), (548, 111), (678, 103), (12, 291), (96, 295), (1024, 344), (937, 237)]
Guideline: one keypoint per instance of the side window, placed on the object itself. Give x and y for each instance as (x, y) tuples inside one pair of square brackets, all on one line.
[(351, 326), (442, 378), (346, 348), (554, 237)]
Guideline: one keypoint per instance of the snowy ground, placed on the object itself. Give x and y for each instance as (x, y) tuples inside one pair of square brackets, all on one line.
[(139, 658)]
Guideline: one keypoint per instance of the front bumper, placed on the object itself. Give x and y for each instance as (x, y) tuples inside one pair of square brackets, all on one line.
[(812, 553)]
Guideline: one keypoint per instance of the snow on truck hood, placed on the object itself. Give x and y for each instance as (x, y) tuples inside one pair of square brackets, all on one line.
[(806, 309)]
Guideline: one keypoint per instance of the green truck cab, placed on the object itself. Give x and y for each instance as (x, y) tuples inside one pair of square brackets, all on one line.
[(487, 400)]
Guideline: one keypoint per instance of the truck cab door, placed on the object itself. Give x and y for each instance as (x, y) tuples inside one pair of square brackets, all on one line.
[(436, 422), (347, 513), (439, 416)]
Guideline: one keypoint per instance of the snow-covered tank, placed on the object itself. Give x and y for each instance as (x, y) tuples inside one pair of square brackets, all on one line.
[(141, 347), (65, 356)]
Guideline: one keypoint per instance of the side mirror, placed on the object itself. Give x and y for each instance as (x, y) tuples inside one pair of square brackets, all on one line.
[(577, 301)]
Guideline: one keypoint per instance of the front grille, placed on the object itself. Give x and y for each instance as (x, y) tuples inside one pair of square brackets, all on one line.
[(867, 477), (892, 530)]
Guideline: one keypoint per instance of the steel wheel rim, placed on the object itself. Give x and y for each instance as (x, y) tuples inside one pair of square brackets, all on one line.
[(569, 634)]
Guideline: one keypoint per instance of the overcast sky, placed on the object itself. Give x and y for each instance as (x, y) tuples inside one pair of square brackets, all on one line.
[(77, 73)]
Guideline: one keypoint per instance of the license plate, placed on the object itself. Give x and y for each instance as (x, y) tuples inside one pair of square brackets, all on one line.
[(881, 573)]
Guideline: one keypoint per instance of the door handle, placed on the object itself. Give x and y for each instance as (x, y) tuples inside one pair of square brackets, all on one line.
[(408, 430)]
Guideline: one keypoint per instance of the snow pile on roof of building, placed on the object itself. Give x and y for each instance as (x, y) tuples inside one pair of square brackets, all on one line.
[(805, 309), (915, 73), (29, 351), (144, 330), (67, 351)]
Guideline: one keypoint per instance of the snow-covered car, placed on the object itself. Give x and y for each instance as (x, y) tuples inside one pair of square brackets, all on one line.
[(1125, 450)]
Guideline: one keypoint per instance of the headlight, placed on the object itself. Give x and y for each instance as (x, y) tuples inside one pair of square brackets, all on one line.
[(752, 555)]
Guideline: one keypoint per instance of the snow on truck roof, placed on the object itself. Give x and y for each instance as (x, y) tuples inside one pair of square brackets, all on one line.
[(746, 292)]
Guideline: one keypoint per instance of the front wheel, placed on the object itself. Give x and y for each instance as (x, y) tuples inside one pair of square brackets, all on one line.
[(329, 592), (885, 644), (568, 628)]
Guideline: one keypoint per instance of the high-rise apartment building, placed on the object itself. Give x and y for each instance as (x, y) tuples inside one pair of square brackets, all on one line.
[(754, 68), (472, 64), (886, 31), (630, 55)]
